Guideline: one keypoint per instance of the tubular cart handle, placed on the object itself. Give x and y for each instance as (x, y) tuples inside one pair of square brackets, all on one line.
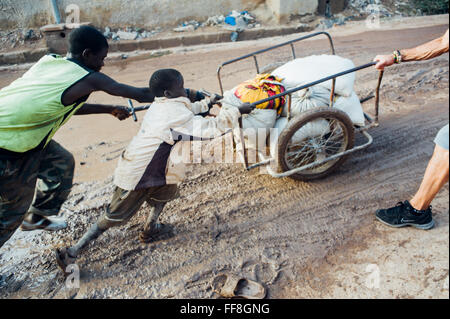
[(254, 104), (133, 109)]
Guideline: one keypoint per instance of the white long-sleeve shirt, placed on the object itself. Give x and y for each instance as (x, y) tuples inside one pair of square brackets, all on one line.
[(155, 156)]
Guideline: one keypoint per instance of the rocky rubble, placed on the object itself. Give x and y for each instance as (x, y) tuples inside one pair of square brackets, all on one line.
[(13, 39), (385, 8), (130, 33)]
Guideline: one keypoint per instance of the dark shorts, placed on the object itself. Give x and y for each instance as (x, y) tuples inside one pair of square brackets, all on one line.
[(125, 204)]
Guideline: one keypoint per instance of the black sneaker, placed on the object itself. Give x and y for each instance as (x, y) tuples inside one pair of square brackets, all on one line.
[(405, 215)]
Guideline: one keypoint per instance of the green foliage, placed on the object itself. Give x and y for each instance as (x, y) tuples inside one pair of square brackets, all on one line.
[(431, 6)]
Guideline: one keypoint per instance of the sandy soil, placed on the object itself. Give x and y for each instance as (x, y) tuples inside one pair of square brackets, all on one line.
[(301, 240)]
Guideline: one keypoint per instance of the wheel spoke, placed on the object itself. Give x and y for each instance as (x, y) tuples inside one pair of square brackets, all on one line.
[(317, 148)]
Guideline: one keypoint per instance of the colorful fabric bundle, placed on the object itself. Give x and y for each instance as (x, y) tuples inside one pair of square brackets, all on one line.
[(262, 87)]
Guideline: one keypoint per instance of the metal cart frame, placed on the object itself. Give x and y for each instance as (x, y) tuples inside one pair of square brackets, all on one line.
[(371, 122)]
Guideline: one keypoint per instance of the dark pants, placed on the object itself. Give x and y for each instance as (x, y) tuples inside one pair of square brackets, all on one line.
[(38, 182), (125, 204)]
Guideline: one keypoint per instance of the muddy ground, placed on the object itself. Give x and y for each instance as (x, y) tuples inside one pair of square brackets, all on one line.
[(300, 240)]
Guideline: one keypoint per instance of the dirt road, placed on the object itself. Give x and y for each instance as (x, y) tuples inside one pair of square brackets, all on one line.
[(301, 240)]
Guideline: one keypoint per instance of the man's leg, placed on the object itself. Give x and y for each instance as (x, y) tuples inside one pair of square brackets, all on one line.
[(55, 179), (17, 183), (417, 212), (436, 175)]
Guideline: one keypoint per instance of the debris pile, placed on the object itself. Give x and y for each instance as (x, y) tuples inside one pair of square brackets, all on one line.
[(130, 33), (10, 39), (383, 8), (234, 21), (370, 7), (215, 20), (361, 9), (336, 20), (240, 20), (188, 26)]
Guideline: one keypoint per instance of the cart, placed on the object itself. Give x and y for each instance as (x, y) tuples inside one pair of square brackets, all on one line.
[(315, 156)]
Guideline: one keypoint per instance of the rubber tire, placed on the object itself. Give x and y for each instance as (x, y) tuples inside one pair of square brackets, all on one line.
[(296, 123)]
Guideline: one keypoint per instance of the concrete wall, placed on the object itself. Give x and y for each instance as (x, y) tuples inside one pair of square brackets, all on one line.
[(284, 9), (118, 13), (24, 13), (141, 13)]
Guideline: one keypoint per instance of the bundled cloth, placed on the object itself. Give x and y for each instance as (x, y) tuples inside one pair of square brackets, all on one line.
[(258, 123), (263, 86)]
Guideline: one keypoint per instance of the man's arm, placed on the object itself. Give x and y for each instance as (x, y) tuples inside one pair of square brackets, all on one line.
[(424, 51), (101, 82), (120, 112)]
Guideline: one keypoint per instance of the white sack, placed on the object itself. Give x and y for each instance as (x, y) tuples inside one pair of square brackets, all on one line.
[(306, 99), (352, 107), (317, 96), (312, 68)]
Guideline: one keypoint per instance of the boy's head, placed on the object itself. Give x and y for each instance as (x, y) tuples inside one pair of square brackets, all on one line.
[(167, 83), (88, 45)]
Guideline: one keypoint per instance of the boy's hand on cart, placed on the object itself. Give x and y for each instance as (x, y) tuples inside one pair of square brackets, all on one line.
[(246, 108), (214, 98), (120, 112)]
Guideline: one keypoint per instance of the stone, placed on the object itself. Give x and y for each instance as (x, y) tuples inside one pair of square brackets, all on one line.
[(124, 35), (185, 28), (107, 32)]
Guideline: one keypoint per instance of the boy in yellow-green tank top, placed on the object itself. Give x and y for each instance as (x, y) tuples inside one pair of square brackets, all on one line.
[(36, 173)]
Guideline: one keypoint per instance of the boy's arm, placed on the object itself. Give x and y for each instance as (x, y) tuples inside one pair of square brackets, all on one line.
[(118, 111), (210, 127), (202, 107)]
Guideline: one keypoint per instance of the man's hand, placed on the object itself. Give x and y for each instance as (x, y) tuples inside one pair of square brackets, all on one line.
[(120, 112), (383, 61), (245, 108)]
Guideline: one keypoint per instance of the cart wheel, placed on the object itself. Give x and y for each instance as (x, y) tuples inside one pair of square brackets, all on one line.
[(315, 135)]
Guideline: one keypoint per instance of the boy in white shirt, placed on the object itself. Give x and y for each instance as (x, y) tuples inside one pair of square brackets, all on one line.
[(149, 169)]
